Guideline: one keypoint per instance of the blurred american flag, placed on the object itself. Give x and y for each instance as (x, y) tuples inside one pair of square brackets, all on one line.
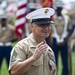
[(20, 17)]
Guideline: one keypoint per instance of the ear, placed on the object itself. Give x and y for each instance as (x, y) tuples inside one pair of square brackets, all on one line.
[(31, 26)]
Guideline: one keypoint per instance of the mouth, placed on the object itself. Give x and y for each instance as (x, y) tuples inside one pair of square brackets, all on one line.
[(45, 31)]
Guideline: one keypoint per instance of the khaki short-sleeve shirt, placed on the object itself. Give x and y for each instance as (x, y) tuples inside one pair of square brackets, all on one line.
[(24, 49)]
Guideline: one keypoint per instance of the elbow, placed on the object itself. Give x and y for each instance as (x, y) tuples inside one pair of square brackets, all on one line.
[(15, 71), (12, 72)]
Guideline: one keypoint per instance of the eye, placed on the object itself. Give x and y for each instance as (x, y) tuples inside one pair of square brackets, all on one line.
[(41, 25)]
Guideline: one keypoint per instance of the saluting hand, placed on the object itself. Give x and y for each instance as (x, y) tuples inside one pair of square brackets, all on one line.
[(41, 47)]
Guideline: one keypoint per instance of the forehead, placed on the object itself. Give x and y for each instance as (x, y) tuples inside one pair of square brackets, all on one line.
[(41, 26)]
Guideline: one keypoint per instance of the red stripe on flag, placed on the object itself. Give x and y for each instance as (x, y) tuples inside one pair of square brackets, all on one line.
[(20, 16), (20, 25), (22, 6)]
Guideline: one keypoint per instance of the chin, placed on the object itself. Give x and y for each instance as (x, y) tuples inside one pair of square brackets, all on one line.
[(47, 35)]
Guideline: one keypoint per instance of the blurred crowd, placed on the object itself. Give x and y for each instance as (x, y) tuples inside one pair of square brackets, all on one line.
[(62, 36)]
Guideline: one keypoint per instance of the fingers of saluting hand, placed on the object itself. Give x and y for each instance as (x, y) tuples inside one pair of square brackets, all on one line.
[(39, 50), (40, 44), (41, 47)]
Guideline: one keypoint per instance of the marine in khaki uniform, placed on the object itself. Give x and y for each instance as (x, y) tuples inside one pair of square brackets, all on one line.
[(32, 56), (61, 35), (7, 35)]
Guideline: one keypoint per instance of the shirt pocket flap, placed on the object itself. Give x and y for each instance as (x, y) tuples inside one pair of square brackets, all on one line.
[(37, 62)]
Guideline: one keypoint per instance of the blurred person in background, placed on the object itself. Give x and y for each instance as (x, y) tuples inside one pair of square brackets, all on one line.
[(72, 38), (72, 17), (61, 34), (7, 36), (72, 44)]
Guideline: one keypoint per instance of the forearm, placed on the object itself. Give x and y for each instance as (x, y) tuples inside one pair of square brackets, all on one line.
[(22, 67)]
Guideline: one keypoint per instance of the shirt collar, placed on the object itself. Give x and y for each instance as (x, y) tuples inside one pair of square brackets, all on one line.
[(33, 42)]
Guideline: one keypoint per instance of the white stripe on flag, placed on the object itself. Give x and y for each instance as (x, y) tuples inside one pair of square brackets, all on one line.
[(21, 2), (20, 21), (21, 11)]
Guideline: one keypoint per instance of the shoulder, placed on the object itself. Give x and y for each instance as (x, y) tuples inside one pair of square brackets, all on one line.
[(50, 50), (22, 43), (21, 46), (11, 27)]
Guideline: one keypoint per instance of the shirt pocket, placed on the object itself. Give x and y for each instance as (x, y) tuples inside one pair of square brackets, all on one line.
[(37, 62), (36, 67)]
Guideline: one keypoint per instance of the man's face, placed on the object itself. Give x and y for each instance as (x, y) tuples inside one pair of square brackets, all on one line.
[(42, 31)]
